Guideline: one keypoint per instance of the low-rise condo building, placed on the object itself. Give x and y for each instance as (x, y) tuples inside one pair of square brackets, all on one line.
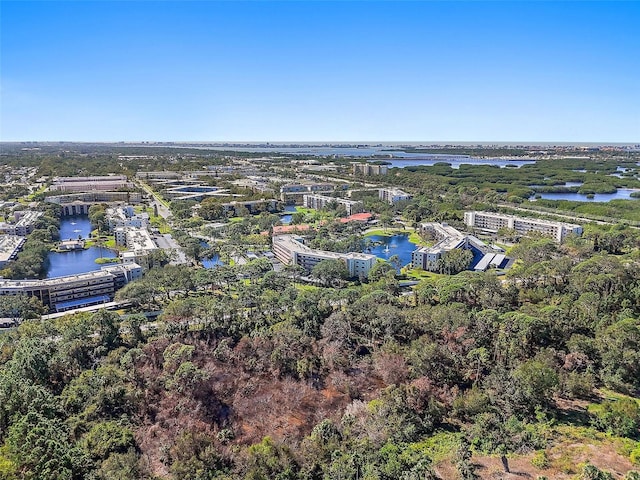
[(296, 191), (10, 245), (125, 216), (319, 202), (492, 222), (393, 195), (139, 242), (80, 203), (290, 249), (449, 238), (74, 291), (25, 223)]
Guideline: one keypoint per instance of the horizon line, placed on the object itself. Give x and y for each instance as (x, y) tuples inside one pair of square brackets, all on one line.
[(334, 142)]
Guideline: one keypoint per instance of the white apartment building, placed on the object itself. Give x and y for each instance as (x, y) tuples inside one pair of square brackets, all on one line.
[(492, 222), (126, 217), (10, 245), (449, 239), (393, 195), (321, 201), (290, 249), (139, 243), (25, 223), (296, 191), (370, 169)]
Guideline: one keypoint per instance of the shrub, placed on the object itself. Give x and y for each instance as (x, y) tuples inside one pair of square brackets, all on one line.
[(618, 417), (540, 459)]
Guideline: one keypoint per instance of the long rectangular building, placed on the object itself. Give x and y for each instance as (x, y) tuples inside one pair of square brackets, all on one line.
[(296, 191), (492, 222), (73, 291), (87, 184), (290, 249), (321, 201)]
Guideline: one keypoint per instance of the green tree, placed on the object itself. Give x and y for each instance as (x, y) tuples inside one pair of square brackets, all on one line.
[(42, 449), (618, 417), (328, 271)]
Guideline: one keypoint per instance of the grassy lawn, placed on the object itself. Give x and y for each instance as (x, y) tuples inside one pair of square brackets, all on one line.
[(386, 232), (154, 194), (419, 274), (418, 240), (105, 261), (304, 210)]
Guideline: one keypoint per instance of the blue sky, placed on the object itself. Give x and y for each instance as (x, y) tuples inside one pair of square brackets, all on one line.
[(320, 71)]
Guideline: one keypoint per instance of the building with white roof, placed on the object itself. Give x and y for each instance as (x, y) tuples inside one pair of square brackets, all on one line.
[(125, 216), (449, 239), (10, 245), (25, 223), (290, 249), (393, 195), (492, 222), (87, 184)]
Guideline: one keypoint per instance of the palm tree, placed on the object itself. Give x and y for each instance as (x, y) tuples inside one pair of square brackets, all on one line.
[(100, 245)]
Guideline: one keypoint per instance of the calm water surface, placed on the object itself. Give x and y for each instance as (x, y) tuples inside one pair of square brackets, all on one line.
[(396, 245), (621, 194), (210, 262), (397, 158), (456, 162), (79, 261), (73, 227), (286, 219)]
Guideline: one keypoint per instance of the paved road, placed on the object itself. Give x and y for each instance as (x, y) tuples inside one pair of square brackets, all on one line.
[(167, 242), (163, 211)]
